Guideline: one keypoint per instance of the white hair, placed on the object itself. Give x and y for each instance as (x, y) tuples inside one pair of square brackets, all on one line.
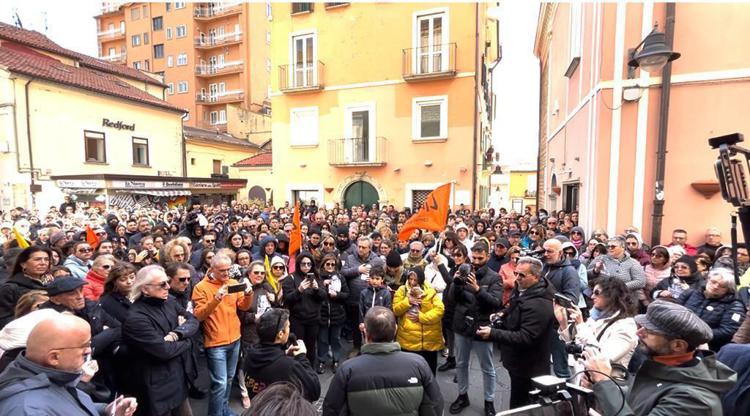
[(144, 277), (727, 278)]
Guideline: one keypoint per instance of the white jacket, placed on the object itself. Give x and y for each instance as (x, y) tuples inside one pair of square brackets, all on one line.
[(617, 343), (433, 277)]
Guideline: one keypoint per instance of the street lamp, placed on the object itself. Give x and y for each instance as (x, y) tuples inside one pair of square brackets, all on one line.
[(653, 55)]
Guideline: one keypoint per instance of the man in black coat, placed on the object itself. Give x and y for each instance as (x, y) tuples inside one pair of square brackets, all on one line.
[(526, 330), (270, 360), (157, 333), (476, 297)]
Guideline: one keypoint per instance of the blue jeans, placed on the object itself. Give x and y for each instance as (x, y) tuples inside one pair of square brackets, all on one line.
[(329, 337), (483, 350), (559, 358), (222, 363)]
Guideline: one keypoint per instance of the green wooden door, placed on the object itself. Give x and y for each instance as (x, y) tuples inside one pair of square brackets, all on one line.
[(360, 193)]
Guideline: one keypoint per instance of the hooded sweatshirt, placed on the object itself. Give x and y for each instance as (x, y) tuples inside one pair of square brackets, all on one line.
[(266, 364), (261, 254)]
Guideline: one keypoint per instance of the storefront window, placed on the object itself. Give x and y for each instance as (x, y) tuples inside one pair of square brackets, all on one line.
[(95, 149)]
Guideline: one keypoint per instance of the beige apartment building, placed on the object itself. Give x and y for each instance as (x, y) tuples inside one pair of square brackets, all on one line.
[(214, 58)]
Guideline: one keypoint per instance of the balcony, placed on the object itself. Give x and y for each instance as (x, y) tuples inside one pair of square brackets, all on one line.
[(234, 67), (110, 7), (210, 42), (429, 62), (206, 13), (117, 58), (356, 152), (111, 34), (300, 78), (529, 194), (220, 98), (218, 126)]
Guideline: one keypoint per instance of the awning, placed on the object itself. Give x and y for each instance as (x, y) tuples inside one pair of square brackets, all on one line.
[(80, 191), (151, 192)]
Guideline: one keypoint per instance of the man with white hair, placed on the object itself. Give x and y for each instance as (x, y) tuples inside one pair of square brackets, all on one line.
[(216, 299), (712, 242)]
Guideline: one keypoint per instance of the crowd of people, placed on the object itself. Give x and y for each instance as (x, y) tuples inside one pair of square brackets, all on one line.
[(118, 310)]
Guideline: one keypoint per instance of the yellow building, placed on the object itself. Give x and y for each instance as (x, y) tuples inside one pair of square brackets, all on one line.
[(381, 102), (522, 190), (72, 124)]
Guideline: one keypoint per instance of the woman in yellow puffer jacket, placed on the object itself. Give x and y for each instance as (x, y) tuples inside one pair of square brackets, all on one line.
[(419, 312)]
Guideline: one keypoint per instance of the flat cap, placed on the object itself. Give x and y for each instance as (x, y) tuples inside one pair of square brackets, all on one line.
[(675, 321), (64, 284)]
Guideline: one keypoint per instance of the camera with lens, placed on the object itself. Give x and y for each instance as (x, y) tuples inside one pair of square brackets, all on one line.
[(463, 274), (575, 349), (497, 321)]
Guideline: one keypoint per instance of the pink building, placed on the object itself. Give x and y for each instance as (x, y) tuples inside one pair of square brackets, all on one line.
[(601, 120)]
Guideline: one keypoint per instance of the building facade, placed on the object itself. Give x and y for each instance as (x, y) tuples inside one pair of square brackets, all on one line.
[(122, 145), (212, 56), (381, 102), (601, 120)]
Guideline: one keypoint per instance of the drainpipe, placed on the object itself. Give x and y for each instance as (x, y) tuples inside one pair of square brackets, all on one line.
[(28, 138), (661, 150), (477, 68), (184, 145)]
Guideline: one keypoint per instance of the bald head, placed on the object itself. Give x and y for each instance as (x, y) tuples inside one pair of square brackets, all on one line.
[(552, 251), (62, 342)]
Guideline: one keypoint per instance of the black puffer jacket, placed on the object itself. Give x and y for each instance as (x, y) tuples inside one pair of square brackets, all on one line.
[(723, 315), (10, 291), (403, 385), (476, 306), (304, 307), (526, 336), (332, 311)]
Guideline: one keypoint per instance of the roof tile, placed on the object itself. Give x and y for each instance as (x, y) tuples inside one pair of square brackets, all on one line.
[(255, 161)]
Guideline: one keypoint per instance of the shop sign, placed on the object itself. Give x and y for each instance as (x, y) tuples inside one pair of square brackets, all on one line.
[(119, 125), (206, 185), (79, 183), (149, 184)]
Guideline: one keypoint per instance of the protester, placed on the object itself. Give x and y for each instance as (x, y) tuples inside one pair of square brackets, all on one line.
[(116, 298), (96, 277), (29, 272), (332, 314), (304, 294), (79, 262), (405, 384)]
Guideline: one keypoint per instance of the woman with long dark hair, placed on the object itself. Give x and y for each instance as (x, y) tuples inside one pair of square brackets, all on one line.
[(332, 313), (29, 272)]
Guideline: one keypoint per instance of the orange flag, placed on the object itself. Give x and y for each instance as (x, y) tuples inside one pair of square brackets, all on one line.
[(295, 240), (432, 216), (92, 238)]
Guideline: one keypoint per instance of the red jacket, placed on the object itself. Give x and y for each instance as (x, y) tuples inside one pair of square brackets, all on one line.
[(95, 287)]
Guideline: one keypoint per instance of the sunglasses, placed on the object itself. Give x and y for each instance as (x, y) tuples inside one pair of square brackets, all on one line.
[(209, 241), (184, 279), (278, 267), (259, 272), (458, 255), (305, 263), (576, 232), (107, 266), (329, 244), (416, 251), (533, 233), (570, 253), (85, 250), (329, 264), (681, 266), (611, 247), (164, 284), (596, 292)]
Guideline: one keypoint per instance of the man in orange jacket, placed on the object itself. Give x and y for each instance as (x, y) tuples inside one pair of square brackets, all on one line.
[(216, 309)]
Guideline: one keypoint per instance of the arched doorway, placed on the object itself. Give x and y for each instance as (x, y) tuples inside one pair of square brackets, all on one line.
[(257, 195), (359, 193)]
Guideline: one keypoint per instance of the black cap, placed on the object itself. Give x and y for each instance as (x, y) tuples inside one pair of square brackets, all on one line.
[(64, 284), (502, 242), (393, 259)]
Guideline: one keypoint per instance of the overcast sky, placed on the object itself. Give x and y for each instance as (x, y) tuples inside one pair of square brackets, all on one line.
[(72, 25)]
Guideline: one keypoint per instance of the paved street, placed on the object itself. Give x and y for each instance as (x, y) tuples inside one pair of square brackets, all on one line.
[(447, 387)]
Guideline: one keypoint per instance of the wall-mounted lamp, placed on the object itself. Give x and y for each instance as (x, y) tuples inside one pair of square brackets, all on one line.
[(654, 53), (428, 163)]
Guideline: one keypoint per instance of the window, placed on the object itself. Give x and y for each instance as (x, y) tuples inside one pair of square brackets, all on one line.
[(180, 4), (269, 14), (302, 8), (170, 61), (94, 143), (135, 13), (169, 33), (135, 40), (159, 51), (146, 65), (335, 4), (181, 31), (303, 61), (304, 126), (182, 59), (140, 151), (137, 64), (157, 23), (170, 88), (192, 161), (575, 38), (168, 5), (217, 167), (430, 118), (431, 43), (146, 38), (145, 10), (182, 87)]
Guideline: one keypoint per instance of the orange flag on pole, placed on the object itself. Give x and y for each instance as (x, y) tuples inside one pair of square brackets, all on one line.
[(432, 216), (295, 240), (92, 238)]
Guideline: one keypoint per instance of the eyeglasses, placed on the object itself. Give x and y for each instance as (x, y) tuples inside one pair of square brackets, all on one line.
[(163, 284), (533, 233), (278, 267), (258, 272), (329, 264), (329, 244), (85, 250), (576, 232), (681, 266), (415, 250), (570, 253), (612, 247), (209, 241), (596, 292), (459, 255), (106, 266), (305, 263), (184, 279)]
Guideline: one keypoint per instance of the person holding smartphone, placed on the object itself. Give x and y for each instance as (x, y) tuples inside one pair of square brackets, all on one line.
[(304, 294)]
